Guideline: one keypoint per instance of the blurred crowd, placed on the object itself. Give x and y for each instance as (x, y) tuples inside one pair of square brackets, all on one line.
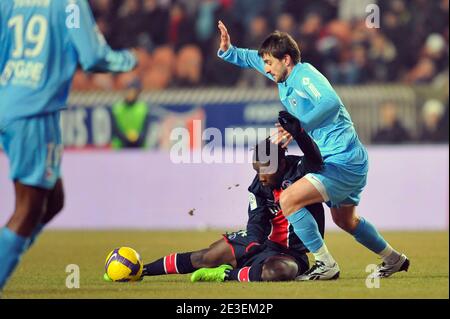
[(433, 124), (177, 40)]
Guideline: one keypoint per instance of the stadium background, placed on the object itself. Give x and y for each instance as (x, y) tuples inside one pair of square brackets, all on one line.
[(404, 62), (184, 81)]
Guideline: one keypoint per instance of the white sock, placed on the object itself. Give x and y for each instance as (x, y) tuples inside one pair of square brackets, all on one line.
[(324, 256), (389, 255)]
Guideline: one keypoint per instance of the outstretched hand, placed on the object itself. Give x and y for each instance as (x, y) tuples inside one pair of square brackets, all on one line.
[(225, 41)]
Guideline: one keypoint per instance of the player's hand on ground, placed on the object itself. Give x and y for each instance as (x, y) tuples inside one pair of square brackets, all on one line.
[(225, 41)]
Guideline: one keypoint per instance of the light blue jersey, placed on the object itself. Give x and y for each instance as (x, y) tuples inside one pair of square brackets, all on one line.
[(42, 42), (308, 95)]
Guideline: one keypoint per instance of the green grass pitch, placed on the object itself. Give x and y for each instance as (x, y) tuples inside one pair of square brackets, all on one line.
[(42, 272)]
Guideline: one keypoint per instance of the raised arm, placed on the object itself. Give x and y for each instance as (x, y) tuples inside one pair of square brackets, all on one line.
[(309, 148), (94, 54), (244, 58), (322, 96)]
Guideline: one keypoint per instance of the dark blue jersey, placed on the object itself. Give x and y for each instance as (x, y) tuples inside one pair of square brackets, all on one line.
[(266, 223)]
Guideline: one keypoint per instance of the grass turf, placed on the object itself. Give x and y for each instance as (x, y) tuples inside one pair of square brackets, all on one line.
[(42, 272)]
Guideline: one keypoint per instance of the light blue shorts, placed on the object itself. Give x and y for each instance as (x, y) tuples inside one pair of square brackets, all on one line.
[(34, 148), (343, 178)]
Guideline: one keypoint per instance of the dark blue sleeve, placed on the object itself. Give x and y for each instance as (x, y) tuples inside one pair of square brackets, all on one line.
[(312, 156), (258, 219)]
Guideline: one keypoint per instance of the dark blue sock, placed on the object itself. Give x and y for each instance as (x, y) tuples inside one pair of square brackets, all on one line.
[(170, 264)]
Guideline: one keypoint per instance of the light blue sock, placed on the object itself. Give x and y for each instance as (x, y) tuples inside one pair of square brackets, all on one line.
[(305, 227), (366, 234), (12, 247), (37, 231)]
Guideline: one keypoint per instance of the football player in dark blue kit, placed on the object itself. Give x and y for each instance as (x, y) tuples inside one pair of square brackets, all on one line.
[(278, 254), (268, 250)]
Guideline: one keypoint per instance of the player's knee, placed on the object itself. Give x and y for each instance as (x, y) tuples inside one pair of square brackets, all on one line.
[(197, 259), (347, 224), (288, 203), (205, 259), (275, 269)]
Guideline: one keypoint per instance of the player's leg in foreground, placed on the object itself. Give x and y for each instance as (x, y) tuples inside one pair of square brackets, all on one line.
[(53, 205), (367, 235), (33, 209), (293, 202), (32, 146), (14, 237), (217, 254), (184, 263), (274, 268)]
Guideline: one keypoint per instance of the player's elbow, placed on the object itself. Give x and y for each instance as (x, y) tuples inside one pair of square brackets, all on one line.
[(92, 64), (331, 105)]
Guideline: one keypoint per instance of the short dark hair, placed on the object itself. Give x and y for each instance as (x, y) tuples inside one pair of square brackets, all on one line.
[(278, 44), (266, 149)]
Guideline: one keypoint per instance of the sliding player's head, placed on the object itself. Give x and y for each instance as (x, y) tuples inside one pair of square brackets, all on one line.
[(280, 53), (270, 163)]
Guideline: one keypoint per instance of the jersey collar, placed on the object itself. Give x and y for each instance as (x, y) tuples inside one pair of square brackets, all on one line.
[(290, 81)]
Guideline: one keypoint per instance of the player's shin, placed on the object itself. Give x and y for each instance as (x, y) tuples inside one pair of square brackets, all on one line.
[(12, 247), (170, 264), (367, 235), (305, 227)]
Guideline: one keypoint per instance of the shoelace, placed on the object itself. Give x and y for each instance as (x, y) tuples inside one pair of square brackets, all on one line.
[(318, 264)]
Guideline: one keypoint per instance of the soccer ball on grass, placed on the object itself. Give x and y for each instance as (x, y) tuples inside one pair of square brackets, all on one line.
[(123, 264)]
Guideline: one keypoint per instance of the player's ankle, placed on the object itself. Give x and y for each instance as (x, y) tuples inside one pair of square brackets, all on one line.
[(393, 258), (389, 255), (324, 256)]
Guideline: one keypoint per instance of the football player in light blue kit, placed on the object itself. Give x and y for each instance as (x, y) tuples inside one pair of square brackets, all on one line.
[(42, 42), (308, 95)]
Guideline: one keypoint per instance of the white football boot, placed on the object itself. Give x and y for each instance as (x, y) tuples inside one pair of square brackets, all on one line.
[(319, 271), (385, 270)]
